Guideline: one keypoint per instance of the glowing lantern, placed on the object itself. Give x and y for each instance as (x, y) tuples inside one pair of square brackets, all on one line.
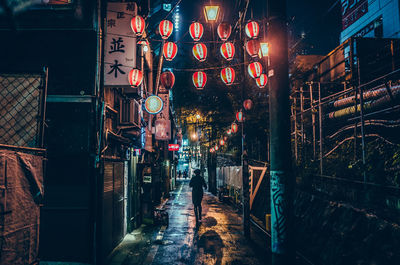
[(135, 77), (138, 25), (167, 79), (248, 104), (221, 142), (200, 52), (216, 147), (252, 29), (153, 104), (255, 69), (199, 79), (228, 75), (228, 50), (212, 150), (225, 138), (165, 29), (229, 132), (196, 31), (253, 48), (262, 81), (239, 116), (224, 30), (234, 128), (170, 50)]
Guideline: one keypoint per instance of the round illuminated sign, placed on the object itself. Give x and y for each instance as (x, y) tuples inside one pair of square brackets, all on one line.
[(153, 104)]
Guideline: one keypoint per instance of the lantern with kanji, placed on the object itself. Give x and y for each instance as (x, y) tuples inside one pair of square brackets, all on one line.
[(248, 104), (138, 25), (262, 81), (199, 80), (196, 31), (135, 77), (167, 79), (253, 48), (221, 142), (170, 50), (234, 128), (224, 30), (239, 116), (228, 75), (252, 29), (255, 69), (228, 50), (165, 28), (200, 52)]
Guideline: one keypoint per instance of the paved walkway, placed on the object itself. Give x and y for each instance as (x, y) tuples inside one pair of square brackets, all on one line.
[(218, 240)]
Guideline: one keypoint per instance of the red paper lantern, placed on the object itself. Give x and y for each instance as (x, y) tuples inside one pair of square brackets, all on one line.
[(216, 147), (252, 29), (200, 52), (248, 104), (253, 48), (165, 28), (229, 132), (167, 79), (196, 31), (228, 75), (262, 81), (228, 50), (239, 116), (135, 77), (221, 142), (170, 50), (224, 30), (212, 150), (255, 69), (199, 79), (234, 128), (138, 25)]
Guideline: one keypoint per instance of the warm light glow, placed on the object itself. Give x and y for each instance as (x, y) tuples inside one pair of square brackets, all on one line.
[(211, 13), (198, 116), (264, 49), (194, 136)]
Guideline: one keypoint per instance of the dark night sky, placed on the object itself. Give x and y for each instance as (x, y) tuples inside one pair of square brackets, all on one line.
[(321, 28)]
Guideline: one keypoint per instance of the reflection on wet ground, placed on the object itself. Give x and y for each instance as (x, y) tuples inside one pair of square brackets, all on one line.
[(218, 240)]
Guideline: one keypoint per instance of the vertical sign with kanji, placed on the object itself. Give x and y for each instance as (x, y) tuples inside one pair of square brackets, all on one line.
[(120, 47)]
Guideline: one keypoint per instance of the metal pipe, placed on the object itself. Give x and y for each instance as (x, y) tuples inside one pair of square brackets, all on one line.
[(362, 121), (321, 151)]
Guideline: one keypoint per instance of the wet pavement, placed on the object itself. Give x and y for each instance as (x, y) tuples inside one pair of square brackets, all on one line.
[(219, 239)]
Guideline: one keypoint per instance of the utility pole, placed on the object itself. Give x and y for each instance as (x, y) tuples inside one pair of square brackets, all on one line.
[(282, 177)]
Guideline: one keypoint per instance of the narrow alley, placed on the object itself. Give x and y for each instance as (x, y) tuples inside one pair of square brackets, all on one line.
[(218, 240)]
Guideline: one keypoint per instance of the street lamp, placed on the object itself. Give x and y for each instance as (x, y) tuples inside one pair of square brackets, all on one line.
[(211, 12)]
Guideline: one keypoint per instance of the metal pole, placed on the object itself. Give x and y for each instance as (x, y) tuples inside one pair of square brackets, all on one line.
[(282, 177), (321, 150), (313, 120), (295, 125), (355, 123), (361, 90), (245, 170)]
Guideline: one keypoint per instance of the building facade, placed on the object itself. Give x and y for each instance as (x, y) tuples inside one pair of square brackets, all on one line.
[(370, 19)]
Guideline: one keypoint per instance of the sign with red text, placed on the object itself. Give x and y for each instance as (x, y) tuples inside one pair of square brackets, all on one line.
[(173, 147)]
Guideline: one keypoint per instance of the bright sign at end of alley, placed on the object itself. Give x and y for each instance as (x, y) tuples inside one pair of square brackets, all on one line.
[(173, 147)]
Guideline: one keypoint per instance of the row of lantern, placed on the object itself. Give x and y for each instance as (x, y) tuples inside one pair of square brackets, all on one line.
[(247, 104), (199, 78), (196, 29)]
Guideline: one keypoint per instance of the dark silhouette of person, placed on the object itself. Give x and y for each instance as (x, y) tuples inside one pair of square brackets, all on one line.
[(197, 183), (185, 174)]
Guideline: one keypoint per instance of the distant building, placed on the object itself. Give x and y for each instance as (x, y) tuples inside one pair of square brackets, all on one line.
[(370, 18)]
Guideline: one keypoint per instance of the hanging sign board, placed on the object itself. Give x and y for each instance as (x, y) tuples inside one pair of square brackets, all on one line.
[(120, 47), (153, 104), (173, 147), (164, 114), (163, 129)]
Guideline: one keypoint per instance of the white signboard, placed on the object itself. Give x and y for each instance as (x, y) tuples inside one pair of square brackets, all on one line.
[(120, 47), (163, 129), (164, 114)]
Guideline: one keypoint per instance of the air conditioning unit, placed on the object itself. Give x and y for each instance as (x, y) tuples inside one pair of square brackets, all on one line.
[(129, 112)]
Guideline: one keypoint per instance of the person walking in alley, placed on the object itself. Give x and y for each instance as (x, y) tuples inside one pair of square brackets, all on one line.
[(197, 183)]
